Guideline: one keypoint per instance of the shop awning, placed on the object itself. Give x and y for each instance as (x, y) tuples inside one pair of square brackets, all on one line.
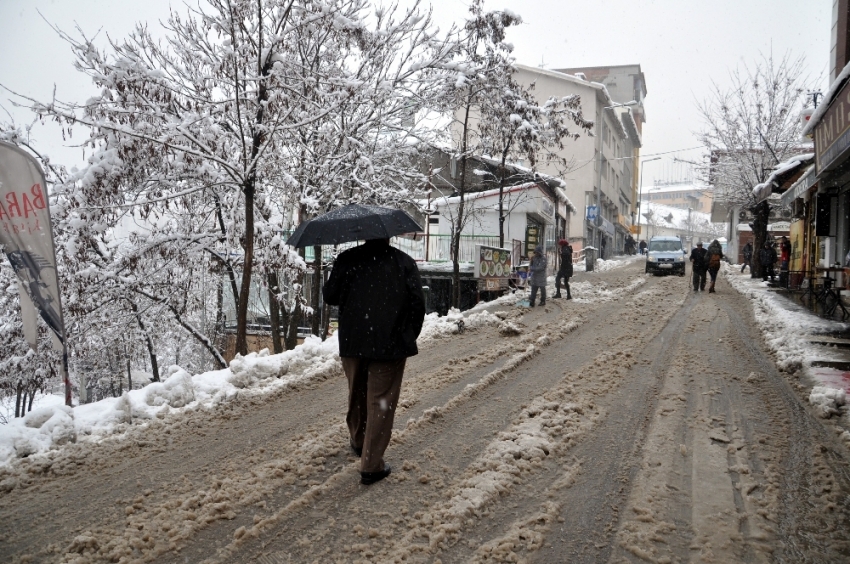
[(786, 172), (799, 188)]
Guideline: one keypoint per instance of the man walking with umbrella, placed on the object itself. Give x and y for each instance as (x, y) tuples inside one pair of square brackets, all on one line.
[(381, 310)]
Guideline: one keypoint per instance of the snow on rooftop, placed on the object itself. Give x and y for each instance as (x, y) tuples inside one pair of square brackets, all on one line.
[(763, 190), (677, 216), (677, 187)]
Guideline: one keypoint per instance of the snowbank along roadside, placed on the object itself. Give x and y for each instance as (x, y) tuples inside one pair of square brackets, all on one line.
[(786, 327), (53, 424)]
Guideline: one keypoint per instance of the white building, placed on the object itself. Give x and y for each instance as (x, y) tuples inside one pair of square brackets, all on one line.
[(603, 166), (531, 209)]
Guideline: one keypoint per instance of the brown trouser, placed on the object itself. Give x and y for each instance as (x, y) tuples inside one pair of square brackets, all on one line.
[(373, 389)]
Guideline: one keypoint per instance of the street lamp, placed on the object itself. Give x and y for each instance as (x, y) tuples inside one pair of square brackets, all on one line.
[(640, 190), (599, 172)]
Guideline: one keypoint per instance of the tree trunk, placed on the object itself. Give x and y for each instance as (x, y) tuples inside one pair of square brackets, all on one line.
[(274, 312), (247, 268), (148, 342), (32, 397), (315, 291), (129, 376), (18, 391), (292, 330), (24, 402), (761, 216), (459, 219)]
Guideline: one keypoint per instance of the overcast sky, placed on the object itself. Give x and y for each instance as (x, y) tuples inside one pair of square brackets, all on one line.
[(682, 46)]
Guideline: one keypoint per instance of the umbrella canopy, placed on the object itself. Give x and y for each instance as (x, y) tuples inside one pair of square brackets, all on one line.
[(354, 222)]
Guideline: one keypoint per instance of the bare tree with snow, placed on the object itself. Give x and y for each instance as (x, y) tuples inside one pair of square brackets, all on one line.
[(749, 129)]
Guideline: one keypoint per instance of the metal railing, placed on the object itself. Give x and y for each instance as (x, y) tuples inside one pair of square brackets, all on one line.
[(439, 247)]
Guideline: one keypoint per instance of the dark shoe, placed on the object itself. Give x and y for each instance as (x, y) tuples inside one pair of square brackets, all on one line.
[(355, 450), (542, 304), (531, 304), (556, 296), (569, 297), (367, 478), (696, 289)]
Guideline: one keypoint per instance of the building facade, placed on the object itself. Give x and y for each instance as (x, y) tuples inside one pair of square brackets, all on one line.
[(602, 178)]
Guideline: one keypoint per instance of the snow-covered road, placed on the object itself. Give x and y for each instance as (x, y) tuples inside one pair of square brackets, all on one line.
[(637, 423)]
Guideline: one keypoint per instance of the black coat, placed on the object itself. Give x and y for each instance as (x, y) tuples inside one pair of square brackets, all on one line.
[(767, 256), (699, 257), (566, 268), (381, 305)]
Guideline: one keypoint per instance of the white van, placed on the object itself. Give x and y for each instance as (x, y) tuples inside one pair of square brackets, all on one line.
[(665, 255)]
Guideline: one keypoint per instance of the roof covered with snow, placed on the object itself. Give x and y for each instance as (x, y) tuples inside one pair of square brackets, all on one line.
[(670, 216), (784, 171)]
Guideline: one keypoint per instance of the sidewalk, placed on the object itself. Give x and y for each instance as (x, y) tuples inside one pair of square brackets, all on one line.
[(802, 339)]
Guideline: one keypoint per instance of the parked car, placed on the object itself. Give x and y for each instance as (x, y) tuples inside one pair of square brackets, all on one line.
[(665, 255)]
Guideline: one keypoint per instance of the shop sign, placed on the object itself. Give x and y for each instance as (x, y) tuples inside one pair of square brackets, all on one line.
[(799, 188), (607, 227), (492, 263), (532, 237), (832, 133), (796, 237), (591, 214), (548, 208)]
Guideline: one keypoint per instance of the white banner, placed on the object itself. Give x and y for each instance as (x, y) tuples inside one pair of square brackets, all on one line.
[(27, 239)]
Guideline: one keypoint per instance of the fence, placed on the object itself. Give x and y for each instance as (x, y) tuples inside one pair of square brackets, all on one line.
[(439, 247)]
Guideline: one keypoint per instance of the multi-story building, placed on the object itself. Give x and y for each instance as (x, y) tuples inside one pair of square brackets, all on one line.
[(602, 178), (683, 195)]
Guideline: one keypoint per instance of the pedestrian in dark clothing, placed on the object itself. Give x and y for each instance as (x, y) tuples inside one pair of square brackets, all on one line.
[(630, 245), (642, 247), (713, 257), (566, 269), (747, 251), (381, 310), (700, 265), (767, 258), (537, 278), (784, 260)]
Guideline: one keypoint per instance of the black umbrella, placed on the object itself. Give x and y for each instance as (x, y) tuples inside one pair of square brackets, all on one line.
[(354, 222)]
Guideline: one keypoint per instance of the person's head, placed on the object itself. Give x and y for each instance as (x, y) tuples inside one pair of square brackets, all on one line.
[(767, 245), (715, 242), (784, 238), (699, 244), (538, 250), (563, 243)]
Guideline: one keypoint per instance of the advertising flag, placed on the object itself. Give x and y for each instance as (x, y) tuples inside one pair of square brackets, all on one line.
[(26, 238)]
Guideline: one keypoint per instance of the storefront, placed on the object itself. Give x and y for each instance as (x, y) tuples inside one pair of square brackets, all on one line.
[(830, 204)]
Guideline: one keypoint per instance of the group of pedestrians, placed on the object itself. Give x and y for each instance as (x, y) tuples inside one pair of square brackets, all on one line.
[(768, 258), (706, 261), (537, 273)]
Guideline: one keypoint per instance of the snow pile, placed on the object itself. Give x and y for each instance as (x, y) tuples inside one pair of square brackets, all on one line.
[(827, 400), (435, 327), (256, 373), (784, 324), (248, 371), (176, 391)]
